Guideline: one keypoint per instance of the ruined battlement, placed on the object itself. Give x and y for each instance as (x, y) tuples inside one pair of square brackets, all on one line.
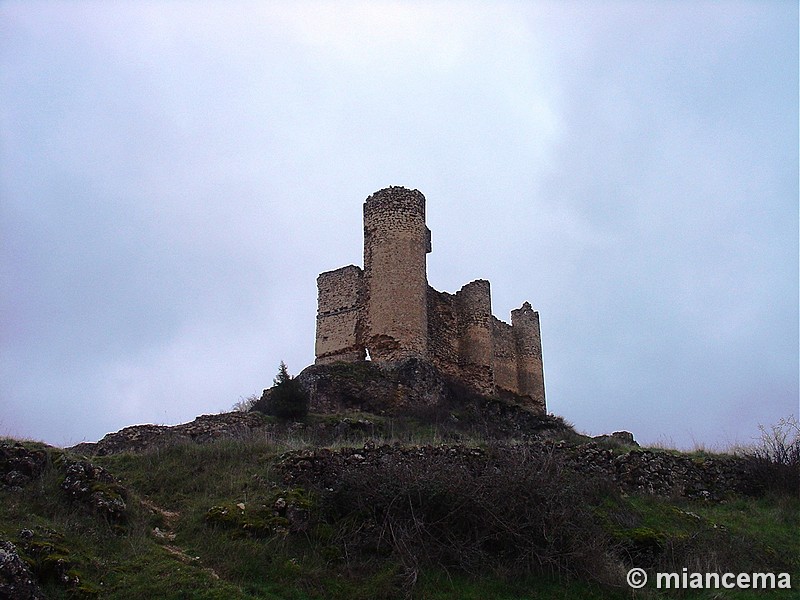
[(387, 310)]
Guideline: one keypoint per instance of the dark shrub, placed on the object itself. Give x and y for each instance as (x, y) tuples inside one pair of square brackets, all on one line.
[(286, 399), (514, 509)]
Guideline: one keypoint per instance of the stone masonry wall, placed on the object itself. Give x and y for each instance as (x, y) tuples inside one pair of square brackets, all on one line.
[(443, 332), (339, 315), (396, 241), (528, 346), (636, 471), (505, 356), (476, 345), (389, 311)]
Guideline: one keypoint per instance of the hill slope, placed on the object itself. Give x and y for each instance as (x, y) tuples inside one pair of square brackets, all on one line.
[(360, 506)]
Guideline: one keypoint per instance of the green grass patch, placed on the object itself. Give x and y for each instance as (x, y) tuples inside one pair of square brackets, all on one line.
[(228, 532)]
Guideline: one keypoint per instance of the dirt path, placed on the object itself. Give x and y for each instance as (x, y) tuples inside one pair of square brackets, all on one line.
[(168, 534)]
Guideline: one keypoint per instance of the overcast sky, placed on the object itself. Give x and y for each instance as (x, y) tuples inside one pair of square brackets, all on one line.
[(174, 175)]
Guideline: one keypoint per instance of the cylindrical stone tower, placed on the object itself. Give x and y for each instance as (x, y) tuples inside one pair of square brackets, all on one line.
[(476, 348), (396, 241), (528, 340)]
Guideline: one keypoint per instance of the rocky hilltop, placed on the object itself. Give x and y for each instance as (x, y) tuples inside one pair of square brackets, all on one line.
[(353, 402), (415, 389), (349, 400), (399, 483), (353, 405)]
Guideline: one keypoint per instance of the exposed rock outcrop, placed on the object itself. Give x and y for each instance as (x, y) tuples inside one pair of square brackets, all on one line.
[(415, 388), (16, 580), (97, 488), (83, 481), (204, 428), (19, 465), (618, 438)]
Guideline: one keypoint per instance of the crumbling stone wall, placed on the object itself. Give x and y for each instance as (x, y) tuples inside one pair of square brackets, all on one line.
[(340, 310), (637, 471), (389, 311), (443, 333), (505, 359)]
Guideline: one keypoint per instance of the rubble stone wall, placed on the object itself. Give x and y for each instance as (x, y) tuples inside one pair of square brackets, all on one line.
[(505, 356), (637, 471), (443, 332)]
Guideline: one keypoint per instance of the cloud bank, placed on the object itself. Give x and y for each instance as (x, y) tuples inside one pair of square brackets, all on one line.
[(173, 176)]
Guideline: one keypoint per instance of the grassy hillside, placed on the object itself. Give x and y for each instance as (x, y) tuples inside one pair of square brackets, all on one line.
[(225, 519)]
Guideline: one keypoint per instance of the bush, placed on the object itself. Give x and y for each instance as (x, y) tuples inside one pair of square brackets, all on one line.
[(245, 404), (774, 461), (286, 399), (520, 511)]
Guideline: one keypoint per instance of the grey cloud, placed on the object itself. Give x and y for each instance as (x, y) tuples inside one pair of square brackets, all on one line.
[(173, 181)]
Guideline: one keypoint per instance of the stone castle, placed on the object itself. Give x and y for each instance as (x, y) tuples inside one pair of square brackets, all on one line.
[(388, 312)]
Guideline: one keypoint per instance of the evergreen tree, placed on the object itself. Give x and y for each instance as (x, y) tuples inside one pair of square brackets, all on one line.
[(283, 375), (287, 399)]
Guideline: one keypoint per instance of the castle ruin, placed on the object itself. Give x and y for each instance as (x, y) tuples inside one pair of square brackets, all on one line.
[(387, 310)]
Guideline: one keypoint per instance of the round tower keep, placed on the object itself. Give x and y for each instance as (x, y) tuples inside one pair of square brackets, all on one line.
[(396, 241)]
